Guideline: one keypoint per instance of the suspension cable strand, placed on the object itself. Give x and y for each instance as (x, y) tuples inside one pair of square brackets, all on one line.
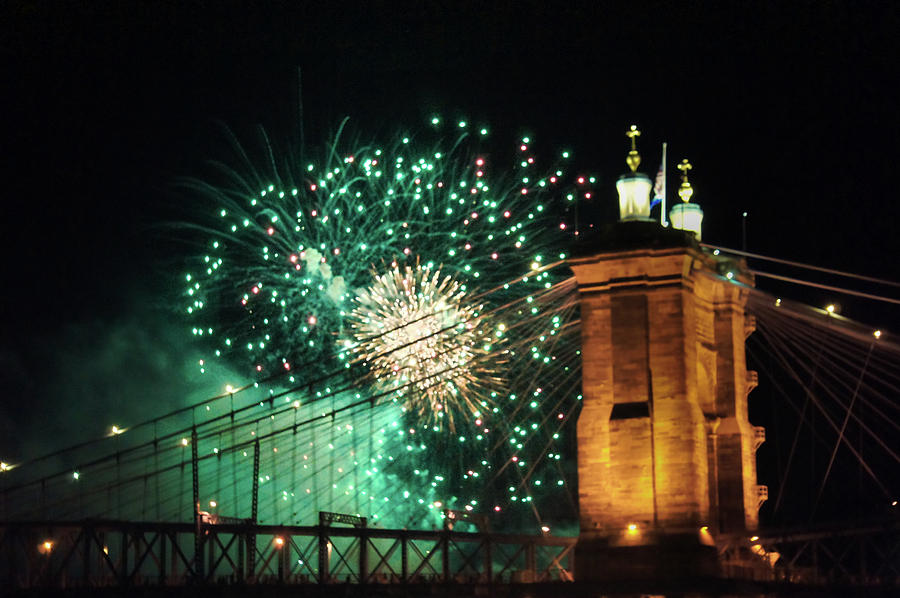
[(789, 368), (830, 392), (434, 377), (790, 460), (826, 287), (206, 402), (564, 285), (802, 265), (840, 437)]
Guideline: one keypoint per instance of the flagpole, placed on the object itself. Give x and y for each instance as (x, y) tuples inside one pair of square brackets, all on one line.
[(662, 213)]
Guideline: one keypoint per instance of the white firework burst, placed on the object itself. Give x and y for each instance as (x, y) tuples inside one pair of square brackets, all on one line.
[(423, 339)]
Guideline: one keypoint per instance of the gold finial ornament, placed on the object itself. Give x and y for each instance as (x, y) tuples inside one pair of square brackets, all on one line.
[(685, 191), (634, 158)]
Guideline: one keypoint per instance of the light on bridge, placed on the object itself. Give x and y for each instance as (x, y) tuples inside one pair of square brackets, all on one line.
[(278, 541), (45, 547)]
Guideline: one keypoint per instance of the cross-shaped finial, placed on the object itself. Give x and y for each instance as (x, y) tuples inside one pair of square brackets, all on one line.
[(634, 158), (631, 134), (685, 191)]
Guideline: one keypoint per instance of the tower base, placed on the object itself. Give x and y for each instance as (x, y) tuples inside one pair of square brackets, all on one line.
[(644, 555)]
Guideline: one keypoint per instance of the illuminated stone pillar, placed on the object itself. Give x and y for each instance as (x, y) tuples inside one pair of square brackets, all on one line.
[(666, 454)]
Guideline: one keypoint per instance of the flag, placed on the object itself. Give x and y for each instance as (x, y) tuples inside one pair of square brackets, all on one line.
[(659, 186)]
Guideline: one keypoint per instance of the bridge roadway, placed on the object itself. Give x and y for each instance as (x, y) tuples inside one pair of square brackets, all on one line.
[(98, 558)]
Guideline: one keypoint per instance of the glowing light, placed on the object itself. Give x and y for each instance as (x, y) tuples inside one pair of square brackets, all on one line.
[(754, 538), (213, 504), (632, 527), (830, 308), (877, 334), (116, 430), (45, 547), (4, 466), (278, 541)]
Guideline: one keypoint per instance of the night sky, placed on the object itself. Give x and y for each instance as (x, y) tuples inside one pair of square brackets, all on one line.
[(788, 111)]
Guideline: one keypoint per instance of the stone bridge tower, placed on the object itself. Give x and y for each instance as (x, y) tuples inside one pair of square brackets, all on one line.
[(666, 453)]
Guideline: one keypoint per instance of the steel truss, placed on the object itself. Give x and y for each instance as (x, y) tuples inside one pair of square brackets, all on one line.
[(124, 554), (119, 554)]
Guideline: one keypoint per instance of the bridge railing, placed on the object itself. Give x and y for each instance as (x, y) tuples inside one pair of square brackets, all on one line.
[(113, 553), (123, 554)]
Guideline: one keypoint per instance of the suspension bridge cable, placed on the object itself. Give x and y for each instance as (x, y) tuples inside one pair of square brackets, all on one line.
[(786, 363), (840, 363), (211, 430), (840, 437), (546, 293), (826, 287), (802, 265), (436, 377), (829, 391), (840, 348), (797, 432), (280, 374), (789, 400), (790, 339)]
